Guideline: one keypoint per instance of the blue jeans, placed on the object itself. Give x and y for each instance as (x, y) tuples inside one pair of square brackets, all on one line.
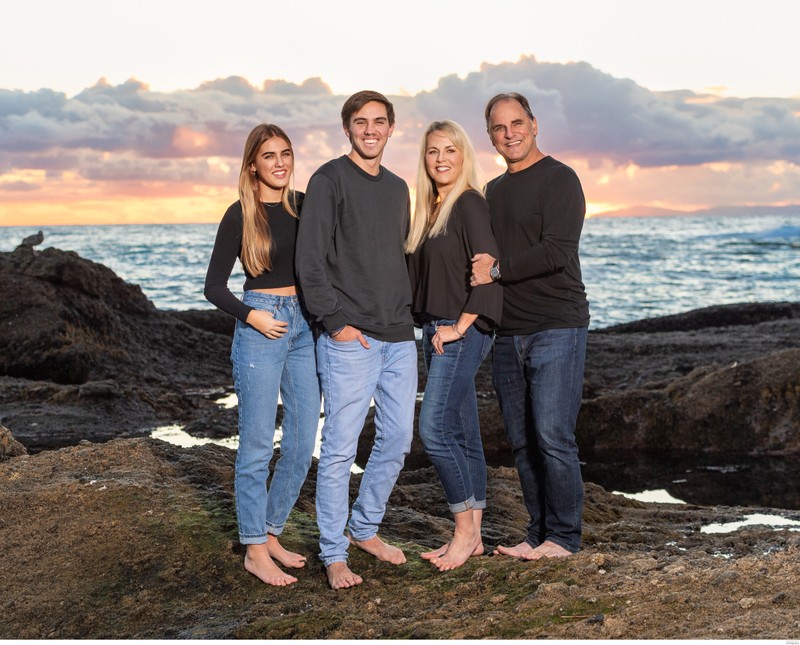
[(448, 419), (261, 368), (539, 382), (351, 377)]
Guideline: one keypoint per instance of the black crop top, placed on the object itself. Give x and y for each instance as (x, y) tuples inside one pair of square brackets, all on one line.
[(228, 247)]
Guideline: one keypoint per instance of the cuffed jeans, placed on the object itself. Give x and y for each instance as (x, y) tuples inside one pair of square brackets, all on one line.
[(351, 378), (448, 419), (539, 383), (261, 368)]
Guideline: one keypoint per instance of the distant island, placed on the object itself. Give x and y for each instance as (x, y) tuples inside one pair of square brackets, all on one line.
[(653, 211)]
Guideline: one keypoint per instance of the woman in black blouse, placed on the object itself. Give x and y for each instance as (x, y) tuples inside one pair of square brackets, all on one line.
[(272, 351), (451, 223)]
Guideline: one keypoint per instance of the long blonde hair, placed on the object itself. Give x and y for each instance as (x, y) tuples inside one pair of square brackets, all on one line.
[(428, 197), (256, 236)]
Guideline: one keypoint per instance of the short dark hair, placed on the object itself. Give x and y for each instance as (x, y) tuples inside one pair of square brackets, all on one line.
[(507, 96), (359, 100)]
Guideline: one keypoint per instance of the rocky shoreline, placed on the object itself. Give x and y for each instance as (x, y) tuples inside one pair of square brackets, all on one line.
[(107, 534), (136, 538)]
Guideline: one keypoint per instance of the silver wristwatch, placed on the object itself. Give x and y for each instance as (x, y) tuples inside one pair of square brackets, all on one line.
[(494, 272)]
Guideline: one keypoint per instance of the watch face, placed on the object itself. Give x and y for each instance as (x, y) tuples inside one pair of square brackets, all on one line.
[(494, 272)]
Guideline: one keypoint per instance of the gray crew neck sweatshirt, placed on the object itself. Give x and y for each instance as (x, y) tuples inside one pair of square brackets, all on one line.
[(350, 259)]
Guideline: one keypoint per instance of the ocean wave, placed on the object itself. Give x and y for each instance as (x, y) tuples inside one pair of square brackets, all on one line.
[(633, 267)]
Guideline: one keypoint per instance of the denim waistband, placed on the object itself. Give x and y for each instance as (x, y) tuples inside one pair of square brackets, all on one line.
[(270, 298), (427, 319)]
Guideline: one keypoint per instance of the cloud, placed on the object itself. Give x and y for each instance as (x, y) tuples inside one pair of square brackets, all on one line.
[(131, 118), (605, 125), (586, 113), (19, 186)]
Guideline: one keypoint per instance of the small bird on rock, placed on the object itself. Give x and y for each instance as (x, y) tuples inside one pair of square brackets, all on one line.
[(33, 240)]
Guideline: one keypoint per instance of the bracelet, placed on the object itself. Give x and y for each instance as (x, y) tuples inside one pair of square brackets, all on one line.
[(334, 334), (455, 329)]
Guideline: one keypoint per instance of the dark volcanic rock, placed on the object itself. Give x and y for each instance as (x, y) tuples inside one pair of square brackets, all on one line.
[(749, 313), (108, 362), (215, 424), (10, 447), (620, 361), (212, 320), (685, 387), (58, 309), (748, 408), (69, 320)]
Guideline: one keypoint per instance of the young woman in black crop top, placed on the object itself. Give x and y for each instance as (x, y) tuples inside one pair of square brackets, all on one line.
[(451, 223), (272, 351)]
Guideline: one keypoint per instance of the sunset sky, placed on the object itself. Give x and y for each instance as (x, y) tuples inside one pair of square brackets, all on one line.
[(137, 112)]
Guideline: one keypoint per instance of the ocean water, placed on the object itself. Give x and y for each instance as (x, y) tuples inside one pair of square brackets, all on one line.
[(633, 267), (642, 267)]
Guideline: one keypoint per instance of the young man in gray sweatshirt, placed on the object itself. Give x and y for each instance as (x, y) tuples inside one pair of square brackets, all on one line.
[(351, 266)]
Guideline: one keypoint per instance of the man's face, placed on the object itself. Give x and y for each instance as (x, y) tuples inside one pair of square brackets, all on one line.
[(369, 130), (512, 132)]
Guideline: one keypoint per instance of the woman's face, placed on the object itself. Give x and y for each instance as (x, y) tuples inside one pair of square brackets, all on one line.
[(443, 160), (273, 164)]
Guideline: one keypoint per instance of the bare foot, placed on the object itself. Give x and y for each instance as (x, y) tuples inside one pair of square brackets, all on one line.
[(258, 562), (548, 549), (377, 547), (286, 558), (462, 546), (438, 553), (340, 576), (525, 551), (522, 550)]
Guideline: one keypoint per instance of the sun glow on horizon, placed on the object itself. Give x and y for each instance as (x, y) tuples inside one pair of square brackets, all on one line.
[(595, 208), (204, 209)]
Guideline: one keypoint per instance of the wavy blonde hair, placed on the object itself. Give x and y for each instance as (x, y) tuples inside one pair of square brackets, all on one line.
[(256, 236), (428, 198)]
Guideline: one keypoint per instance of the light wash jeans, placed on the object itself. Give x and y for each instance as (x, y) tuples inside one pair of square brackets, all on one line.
[(261, 368), (448, 419), (539, 383), (351, 378)]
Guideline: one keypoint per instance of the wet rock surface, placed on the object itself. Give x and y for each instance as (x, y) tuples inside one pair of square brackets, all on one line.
[(136, 538)]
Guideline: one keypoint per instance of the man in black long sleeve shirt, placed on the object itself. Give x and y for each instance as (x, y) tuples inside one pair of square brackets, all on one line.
[(537, 210), (351, 265)]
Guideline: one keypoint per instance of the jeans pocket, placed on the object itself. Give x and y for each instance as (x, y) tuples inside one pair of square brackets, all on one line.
[(343, 345)]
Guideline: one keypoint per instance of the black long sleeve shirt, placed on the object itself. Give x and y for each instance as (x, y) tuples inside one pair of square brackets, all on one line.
[(441, 266), (537, 218)]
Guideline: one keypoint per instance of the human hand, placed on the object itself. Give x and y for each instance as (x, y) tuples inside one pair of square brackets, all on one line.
[(481, 263), (444, 334), (348, 333), (267, 324)]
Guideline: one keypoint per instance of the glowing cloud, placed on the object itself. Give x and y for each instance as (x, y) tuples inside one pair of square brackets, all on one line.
[(111, 152)]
